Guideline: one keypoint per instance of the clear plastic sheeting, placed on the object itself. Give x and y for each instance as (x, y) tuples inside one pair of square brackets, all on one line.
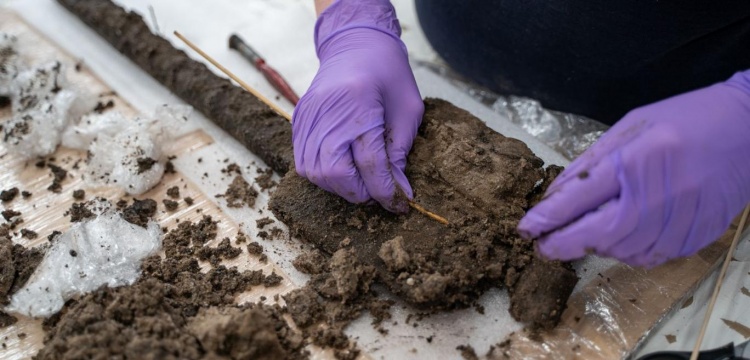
[(568, 134), (105, 250), (128, 153)]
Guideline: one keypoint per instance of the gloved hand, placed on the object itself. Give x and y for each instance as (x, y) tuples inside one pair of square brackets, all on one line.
[(354, 128), (664, 182)]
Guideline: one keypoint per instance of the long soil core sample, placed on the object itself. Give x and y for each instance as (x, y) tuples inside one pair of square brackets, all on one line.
[(242, 115)]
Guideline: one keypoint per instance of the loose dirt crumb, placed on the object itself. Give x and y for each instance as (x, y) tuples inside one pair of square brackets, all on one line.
[(261, 223), (311, 263), (272, 280), (9, 214), (79, 194), (188, 200), (241, 238), (170, 205), (254, 248), (102, 107), (467, 352), (223, 251), (18, 265), (232, 168), (29, 234), (145, 164), (174, 192), (140, 212), (671, 338), (169, 167), (240, 193), (6, 320), (79, 212), (9, 194), (265, 179), (25, 194), (59, 174)]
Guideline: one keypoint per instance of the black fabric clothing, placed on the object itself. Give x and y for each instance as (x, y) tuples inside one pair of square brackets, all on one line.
[(595, 58)]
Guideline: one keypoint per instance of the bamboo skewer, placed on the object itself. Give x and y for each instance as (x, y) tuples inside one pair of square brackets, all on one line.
[(283, 113), (719, 280)]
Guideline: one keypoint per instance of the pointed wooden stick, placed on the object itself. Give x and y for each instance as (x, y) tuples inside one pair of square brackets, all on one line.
[(283, 113), (719, 280)]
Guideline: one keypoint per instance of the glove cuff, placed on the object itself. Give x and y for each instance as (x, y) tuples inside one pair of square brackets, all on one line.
[(343, 15), (741, 81)]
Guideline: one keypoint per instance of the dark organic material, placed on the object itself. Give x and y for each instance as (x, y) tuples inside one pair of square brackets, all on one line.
[(478, 179)]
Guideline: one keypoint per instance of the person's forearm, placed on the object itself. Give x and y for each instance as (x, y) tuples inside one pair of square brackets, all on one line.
[(321, 5)]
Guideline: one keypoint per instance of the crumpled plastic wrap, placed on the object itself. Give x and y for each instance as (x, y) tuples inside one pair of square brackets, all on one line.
[(568, 134), (105, 250)]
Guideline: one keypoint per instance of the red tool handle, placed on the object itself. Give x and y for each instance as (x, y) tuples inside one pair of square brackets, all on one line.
[(277, 81)]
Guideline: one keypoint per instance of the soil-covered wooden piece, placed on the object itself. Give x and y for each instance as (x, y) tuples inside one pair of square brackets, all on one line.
[(482, 183), (236, 111)]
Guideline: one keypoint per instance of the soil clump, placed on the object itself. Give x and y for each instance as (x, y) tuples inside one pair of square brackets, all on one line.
[(58, 175), (174, 311), (18, 263), (240, 193), (9, 194), (482, 182)]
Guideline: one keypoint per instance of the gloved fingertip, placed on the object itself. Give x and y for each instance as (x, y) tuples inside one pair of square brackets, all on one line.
[(533, 225), (553, 247)]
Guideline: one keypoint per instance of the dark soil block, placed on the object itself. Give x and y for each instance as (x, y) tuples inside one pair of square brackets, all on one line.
[(482, 183)]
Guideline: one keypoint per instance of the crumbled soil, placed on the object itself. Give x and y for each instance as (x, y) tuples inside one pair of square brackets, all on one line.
[(169, 167), (312, 262), (6, 320), (338, 292), (262, 222), (79, 194), (9, 194), (101, 107), (9, 214), (467, 352), (25, 194), (174, 192), (140, 212), (272, 280), (241, 238), (232, 168), (79, 212), (240, 193), (482, 182), (223, 251), (254, 248), (58, 175), (170, 205), (174, 311), (265, 179), (188, 200), (29, 234), (18, 265), (145, 164), (4, 102)]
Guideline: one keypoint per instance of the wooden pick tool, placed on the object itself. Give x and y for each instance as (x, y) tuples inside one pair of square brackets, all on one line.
[(283, 113)]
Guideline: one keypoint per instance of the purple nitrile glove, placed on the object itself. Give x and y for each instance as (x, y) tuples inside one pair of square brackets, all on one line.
[(354, 128), (664, 182)]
